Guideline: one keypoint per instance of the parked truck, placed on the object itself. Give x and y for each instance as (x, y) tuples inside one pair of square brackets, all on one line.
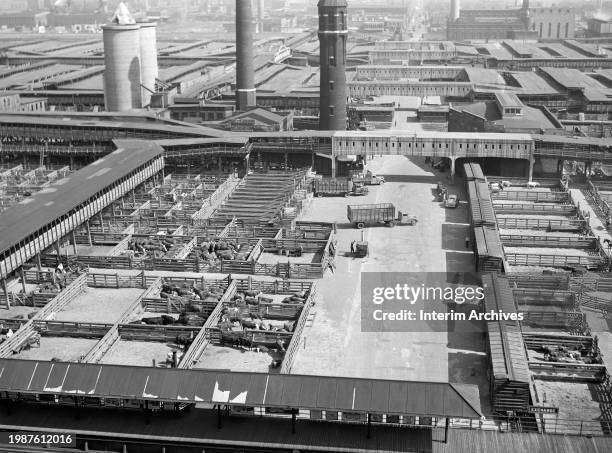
[(451, 201), (369, 179), (368, 214), (337, 187)]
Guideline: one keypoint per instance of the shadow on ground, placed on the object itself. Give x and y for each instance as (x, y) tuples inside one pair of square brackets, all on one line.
[(453, 237), (460, 261)]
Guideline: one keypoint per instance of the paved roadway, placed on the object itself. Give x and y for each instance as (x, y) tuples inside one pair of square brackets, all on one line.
[(334, 344)]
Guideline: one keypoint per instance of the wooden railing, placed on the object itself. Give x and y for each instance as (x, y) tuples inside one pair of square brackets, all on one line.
[(201, 340), (539, 260), (575, 242), (542, 224), (56, 304), (140, 332), (294, 344), (72, 329), (602, 205), (534, 208), (120, 247), (596, 303), (530, 195)]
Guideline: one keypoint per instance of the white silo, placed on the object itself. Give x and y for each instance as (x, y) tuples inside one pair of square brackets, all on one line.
[(122, 90), (148, 60), (122, 80)]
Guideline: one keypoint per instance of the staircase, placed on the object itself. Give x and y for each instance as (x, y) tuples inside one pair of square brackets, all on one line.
[(259, 197)]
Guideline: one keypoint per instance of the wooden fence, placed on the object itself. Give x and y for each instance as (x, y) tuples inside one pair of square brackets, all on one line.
[(601, 204), (542, 224), (112, 336), (531, 195), (120, 247), (117, 281), (596, 303), (72, 329), (294, 344), (558, 371), (202, 339), (56, 304), (574, 242), (534, 208), (540, 260), (140, 332)]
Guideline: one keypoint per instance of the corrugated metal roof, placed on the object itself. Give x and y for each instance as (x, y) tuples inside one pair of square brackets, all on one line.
[(480, 203), (473, 171), (498, 294), (507, 350), (241, 389), (45, 206), (488, 242), (75, 122)]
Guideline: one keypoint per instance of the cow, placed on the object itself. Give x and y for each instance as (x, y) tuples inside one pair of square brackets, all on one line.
[(248, 324), (225, 255), (167, 320), (153, 321), (251, 301), (190, 320)]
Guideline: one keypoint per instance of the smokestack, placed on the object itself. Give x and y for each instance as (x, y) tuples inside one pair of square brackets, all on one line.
[(525, 4), (245, 69), (260, 15), (122, 74), (333, 32), (455, 10), (149, 69)]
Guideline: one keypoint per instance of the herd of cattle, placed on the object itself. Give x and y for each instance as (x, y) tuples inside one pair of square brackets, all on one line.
[(156, 247), (222, 250), (207, 251), (563, 354), (194, 301)]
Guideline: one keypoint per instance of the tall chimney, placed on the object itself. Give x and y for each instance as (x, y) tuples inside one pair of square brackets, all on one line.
[(525, 4), (260, 15), (245, 69), (455, 10), (333, 32)]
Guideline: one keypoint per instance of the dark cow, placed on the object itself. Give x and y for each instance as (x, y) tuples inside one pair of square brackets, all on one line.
[(154, 321)]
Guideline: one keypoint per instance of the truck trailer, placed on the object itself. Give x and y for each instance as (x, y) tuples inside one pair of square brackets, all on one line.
[(337, 187), (369, 214)]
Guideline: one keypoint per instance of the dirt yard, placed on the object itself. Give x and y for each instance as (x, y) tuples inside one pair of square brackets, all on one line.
[(62, 348), (226, 358), (101, 305), (547, 251), (138, 353), (576, 401), (17, 311), (86, 250)]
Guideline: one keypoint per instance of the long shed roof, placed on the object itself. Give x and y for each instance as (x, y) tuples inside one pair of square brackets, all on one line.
[(241, 389), (45, 206)]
